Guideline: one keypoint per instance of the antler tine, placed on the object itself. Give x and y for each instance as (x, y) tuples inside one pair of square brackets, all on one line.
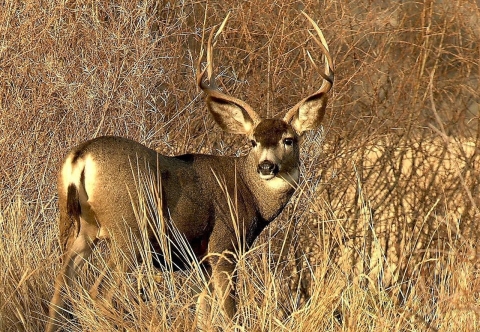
[(211, 88), (328, 76), (209, 67)]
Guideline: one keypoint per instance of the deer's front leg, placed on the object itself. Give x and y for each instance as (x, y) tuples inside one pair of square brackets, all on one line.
[(223, 283), (221, 293)]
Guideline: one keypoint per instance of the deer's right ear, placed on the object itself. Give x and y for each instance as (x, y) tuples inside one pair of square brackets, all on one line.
[(230, 116)]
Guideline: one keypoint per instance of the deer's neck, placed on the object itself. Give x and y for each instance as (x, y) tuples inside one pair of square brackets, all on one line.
[(271, 195)]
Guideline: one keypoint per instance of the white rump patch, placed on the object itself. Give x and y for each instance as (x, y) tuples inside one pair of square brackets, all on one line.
[(90, 175), (72, 174)]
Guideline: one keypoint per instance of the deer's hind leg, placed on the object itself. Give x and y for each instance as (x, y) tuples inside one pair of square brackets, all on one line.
[(99, 282), (123, 258), (75, 257)]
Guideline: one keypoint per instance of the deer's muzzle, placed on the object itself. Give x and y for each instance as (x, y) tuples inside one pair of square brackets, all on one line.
[(267, 168)]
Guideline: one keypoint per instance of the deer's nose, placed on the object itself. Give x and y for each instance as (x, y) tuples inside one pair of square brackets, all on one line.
[(266, 167)]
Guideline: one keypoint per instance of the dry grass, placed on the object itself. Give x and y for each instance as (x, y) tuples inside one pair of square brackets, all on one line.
[(382, 234)]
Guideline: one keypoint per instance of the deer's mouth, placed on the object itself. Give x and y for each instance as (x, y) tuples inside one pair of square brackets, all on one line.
[(267, 170)]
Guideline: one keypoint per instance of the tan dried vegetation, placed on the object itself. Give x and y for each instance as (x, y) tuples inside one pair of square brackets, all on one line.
[(382, 233)]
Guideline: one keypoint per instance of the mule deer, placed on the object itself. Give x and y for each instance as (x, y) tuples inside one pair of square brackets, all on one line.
[(97, 186)]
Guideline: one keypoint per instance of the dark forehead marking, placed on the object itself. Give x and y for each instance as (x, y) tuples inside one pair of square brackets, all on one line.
[(270, 131)]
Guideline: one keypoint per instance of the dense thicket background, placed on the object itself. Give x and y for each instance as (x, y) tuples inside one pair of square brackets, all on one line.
[(381, 235)]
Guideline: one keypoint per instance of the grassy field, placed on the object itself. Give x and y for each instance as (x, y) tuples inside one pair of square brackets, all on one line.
[(382, 233)]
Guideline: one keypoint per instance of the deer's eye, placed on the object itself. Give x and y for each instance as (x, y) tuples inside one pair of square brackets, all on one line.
[(254, 144), (288, 141)]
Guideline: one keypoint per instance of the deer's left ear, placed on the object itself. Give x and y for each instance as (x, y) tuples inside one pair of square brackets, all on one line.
[(308, 113)]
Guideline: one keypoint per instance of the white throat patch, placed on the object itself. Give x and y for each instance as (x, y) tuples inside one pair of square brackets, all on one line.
[(284, 181)]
